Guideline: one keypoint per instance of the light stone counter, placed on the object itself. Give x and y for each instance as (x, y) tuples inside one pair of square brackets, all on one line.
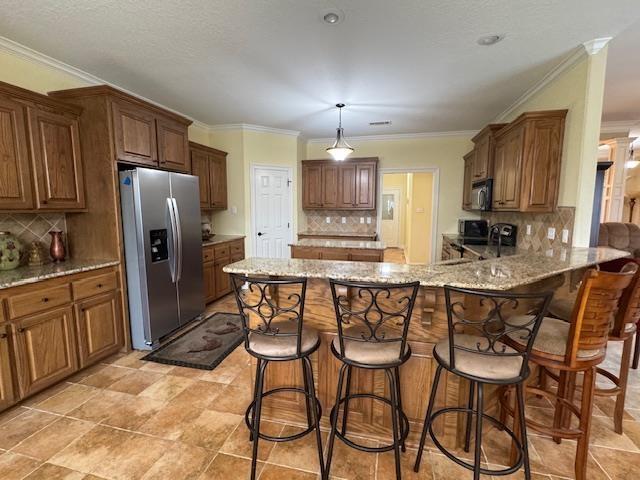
[(219, 238), (503, 273), (25, 275), (328, 243)]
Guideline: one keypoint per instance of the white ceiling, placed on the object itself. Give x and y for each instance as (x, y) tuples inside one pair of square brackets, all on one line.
[(622, 86), (275, 63)]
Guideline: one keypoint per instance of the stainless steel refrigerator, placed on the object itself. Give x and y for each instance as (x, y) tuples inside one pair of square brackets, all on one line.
[(163, 251)]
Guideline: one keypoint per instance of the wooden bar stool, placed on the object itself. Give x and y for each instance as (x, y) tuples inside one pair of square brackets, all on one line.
[(623, 330), (573, 348), (272, 318), (475, 350), (373, 324)]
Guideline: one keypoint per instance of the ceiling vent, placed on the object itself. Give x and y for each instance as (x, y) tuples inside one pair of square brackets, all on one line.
[(375, 124)]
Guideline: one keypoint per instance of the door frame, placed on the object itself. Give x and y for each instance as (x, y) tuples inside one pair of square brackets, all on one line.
[(434, 200), (279, 168), (397, 192)]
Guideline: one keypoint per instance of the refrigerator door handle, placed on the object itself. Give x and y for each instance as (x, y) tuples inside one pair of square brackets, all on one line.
[(179, 239), (174, 241)]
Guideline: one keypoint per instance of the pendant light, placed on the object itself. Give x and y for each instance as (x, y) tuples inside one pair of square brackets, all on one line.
[(340, 149)]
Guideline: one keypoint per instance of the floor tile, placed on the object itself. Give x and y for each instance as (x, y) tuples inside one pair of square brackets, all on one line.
[(559, 460), (106, 376), (44, 394), (68, 399), (238, 443), (199, 394), (275, 472), (353, 464), (16, 467), (19, 428), (53, 438), (603, 435), (387, 465), (233, 400), (301, 453), (194, 373), (226, 467), (166, 388), (156, 367), (171, 421), (135, 382), (180, 462), (49, 471), (131, 360), (223, 373), (12, 413), (210, 429), (619, 465)]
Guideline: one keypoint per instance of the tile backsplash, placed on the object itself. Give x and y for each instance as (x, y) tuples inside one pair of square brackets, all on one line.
[(33, 226), (317, 221), (561, 219)]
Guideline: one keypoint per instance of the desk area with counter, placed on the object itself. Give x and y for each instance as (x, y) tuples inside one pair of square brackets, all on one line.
[(524, 272)]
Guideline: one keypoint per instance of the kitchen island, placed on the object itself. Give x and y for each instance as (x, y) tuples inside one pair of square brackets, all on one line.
[(524, 272), (338, 249)]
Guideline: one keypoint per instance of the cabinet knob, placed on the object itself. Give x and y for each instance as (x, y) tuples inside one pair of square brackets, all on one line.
[(99, 285), (45, 299), (3, 335), (21, 329)]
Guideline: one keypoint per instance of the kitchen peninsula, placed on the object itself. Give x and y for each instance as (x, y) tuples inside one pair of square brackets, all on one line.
[(334, 249), (521, 272)]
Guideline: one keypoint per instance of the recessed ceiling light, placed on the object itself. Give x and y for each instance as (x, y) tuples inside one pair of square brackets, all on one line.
[(488, 40), (331, 18)]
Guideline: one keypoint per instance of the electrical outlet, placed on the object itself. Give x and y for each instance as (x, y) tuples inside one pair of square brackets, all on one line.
[(369, 220), (549, 253), (361, 219), (234, 210), (565, 235), (328, 220), (344, 219), (528, 229), (551, 233)]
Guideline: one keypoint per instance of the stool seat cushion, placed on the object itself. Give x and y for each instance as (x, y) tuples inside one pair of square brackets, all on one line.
[(283, 346), (552, 337), (367, 353), (561, 308), (476, 364)]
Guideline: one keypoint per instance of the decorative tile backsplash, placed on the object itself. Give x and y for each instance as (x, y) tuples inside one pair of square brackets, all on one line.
[(317, 221), (32, 226), (561, 219)]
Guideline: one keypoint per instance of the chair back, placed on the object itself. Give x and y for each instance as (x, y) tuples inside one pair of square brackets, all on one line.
[(490, 317), (374, 312), (594, 311), (629, 306), (271, 307)]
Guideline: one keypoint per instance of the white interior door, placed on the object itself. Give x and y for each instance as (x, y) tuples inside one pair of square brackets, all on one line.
[(271, 212), (390, 217)]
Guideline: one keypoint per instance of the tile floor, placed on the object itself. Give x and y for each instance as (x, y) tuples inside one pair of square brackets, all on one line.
[(126, 419)]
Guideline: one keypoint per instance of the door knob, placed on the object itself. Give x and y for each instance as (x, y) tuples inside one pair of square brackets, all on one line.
[(260, 234)]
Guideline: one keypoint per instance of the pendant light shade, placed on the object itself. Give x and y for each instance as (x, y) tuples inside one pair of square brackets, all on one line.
[(340, 148)]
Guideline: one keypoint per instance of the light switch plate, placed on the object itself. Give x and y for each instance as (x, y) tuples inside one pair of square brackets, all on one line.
[(551, 233), (344, 219), (361, 219), (565, 235), (234, 210), (328, 220), (528, 229), (369, 220)]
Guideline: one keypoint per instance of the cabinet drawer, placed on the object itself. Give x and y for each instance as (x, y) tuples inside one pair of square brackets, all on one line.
[(207, 254), (89, 287), (237, 248), (221, 251), (34, 302)]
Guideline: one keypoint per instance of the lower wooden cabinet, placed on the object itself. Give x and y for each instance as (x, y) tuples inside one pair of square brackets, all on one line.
[(215, 257), (99, 328), (45, 345), (346, 254), (223, 283), (6, 376), (208, 271)]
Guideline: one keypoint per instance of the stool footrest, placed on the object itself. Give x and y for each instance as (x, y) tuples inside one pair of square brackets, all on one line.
[(263, 436)]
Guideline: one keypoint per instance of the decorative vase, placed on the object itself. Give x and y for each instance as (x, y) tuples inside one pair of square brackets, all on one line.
[(57, 246), (10, 250), (206, 230), (35, 255)]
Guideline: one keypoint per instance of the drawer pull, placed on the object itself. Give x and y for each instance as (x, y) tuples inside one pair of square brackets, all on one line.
[(45, 299), (99, 285), (21, 329)]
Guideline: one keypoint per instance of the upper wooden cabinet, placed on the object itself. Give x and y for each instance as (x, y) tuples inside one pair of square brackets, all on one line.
[(346, 185), (528, 154), (468, 180), (210, 166), (143, 133), (484, 150), (40, 154)]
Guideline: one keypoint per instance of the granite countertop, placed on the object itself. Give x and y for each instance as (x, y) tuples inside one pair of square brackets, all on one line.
[(219, 238), (25, 275), (492, 274), (484, 251), (328, 243), (338, 234)]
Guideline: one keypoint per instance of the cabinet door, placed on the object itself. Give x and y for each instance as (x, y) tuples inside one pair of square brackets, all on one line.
[(15, 181), (45, 349), (200, 168), (208, 271), (334, 254), (135, 134), (306, 253), (347, 186), (55, 146), (311, 186), (218, 181), (99, 328), (173, 145), (6, 377), (482, 159), (512, 171), (468, 181), (222, 282), (329, 186), (365, 186), (364, 256)]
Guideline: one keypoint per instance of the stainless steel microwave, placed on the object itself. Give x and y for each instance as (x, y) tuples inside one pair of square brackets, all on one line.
[(481, 195)]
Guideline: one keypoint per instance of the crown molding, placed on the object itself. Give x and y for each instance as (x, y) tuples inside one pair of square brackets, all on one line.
[(252, 128), (594, 46), (399, 136), (619, 126)]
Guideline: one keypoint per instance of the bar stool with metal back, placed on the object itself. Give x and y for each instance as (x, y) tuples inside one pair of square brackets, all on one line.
[(272, 313), (574, 347), (475, 349), (373, 325)]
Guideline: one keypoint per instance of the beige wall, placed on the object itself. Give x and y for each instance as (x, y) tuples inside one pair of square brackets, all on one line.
[(444, 153), (419, 225), (580, 90)]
